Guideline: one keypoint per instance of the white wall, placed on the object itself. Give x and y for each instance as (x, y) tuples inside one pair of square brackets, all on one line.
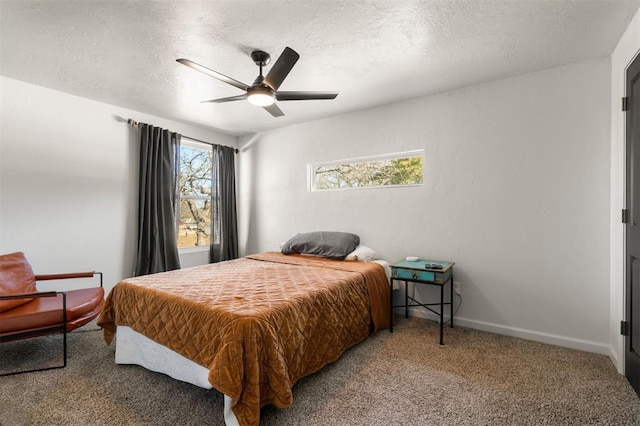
[(68, 180), (627, 48), (516, 193)]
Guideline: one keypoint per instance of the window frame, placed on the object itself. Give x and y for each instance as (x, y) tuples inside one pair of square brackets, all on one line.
[(312, 168)]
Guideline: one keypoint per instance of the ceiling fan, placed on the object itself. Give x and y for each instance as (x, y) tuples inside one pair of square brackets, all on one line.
[(264, 90)]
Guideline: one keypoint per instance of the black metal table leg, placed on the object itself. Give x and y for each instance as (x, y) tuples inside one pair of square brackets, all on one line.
[(406, 299), (441, 313)]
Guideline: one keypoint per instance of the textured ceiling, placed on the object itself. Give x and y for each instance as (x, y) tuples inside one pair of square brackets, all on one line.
[(372, 52)]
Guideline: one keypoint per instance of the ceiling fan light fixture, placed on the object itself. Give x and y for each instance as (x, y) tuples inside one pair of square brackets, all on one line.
[(260, 95)]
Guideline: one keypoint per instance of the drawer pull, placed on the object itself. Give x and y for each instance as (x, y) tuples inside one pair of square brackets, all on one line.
[(415, 276)]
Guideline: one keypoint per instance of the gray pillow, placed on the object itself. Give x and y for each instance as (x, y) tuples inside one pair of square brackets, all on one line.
[(334, 245)]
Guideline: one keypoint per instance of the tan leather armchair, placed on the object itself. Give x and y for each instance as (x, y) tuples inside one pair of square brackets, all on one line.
[(26, 312)]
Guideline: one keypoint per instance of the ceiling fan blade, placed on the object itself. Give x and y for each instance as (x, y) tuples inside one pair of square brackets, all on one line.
[(213, 74), (229, 99), (281, 68), (274, 110), (303, 96)]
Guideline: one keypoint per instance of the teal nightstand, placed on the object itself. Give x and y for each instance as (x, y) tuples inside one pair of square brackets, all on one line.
[(432, 272)]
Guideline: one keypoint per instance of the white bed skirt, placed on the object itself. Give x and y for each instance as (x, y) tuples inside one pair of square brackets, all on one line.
[(134, 348)]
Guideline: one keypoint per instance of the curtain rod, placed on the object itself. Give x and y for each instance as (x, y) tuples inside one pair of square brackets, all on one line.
[(136, 125)]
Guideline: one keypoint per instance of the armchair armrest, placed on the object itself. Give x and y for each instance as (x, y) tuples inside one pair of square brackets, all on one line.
[(29, 295), (69, 275)]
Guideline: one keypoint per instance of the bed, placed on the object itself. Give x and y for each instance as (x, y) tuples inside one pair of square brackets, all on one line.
[(253, 326)]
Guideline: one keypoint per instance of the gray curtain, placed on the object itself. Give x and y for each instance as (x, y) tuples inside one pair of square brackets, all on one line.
[(224, 241), (158, 198)]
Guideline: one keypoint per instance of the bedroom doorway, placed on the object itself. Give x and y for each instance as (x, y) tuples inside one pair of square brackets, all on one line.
[(632, 231)]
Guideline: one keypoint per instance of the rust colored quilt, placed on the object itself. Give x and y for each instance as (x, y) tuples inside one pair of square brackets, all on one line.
[(259, 323)]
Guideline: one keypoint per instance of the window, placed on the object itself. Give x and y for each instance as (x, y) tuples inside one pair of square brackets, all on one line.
[(194, 227), (403, 168)]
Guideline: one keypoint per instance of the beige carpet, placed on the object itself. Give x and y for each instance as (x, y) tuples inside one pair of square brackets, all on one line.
[(404, 378)]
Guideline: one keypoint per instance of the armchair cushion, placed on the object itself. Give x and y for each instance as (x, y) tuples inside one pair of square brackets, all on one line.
[(16, 276), (82, 306)]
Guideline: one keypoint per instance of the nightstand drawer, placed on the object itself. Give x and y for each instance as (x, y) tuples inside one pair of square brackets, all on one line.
[(412, 274)]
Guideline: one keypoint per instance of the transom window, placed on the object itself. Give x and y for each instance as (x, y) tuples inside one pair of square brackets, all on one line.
[(398, 169), (194, 223)]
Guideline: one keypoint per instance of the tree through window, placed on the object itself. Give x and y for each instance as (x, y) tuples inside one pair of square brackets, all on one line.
[(405, 168), (194, 227)]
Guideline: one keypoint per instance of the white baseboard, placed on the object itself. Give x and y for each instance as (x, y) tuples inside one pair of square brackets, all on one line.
[(536, 336), (613, 355)]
